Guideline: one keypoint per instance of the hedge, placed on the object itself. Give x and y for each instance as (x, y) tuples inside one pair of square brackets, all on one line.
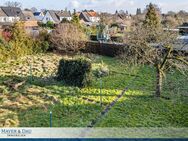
[(106, 49), (75, 72)]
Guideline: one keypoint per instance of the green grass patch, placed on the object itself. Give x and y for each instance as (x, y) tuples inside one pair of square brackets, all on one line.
[(30, 105)]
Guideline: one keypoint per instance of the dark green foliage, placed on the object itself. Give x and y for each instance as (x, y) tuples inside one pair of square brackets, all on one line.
[(101, 71), (75, 19), (22, 44), (40, 24), (114, 25), (45, 46), (40, 46), (64, 20), (106, 49), (93, 37), (76, 72), (118, 39), (152, 19), (50, 24)]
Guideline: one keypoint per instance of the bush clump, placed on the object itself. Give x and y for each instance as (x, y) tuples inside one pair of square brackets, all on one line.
[(68, 38), (16, 43), (101, 70), (76, 72)]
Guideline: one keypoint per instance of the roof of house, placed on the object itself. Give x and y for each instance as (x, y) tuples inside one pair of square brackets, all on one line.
[(28, 16), (84, 16), (13, 12), (2, 13), (37, 13), (57, 14), (91, 13), (64, 14), (54, 16)]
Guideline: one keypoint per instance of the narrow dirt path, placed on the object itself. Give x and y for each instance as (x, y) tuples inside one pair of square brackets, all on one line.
[(108, 107), (105, 111)]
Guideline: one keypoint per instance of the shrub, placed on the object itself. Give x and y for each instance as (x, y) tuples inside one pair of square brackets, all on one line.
[(76, 72), (45, 46), (101, 70), (4, 52), (43, 35), (93, 37), (65, 20), (68, 38), (50, 24), (118, 39), (6, 34), (21, 44), (42, 43), (40, 46)]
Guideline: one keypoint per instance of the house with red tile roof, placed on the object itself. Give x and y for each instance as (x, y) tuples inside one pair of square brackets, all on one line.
[(89, 17)]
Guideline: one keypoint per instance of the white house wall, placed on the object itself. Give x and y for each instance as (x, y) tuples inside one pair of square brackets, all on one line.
[(47, 18), (9, 19), (94, 19), (68, 18), (39, 18)]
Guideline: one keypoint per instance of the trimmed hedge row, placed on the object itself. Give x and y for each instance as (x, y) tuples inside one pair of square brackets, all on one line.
[(75, 72), (117, 39), (106, 49)]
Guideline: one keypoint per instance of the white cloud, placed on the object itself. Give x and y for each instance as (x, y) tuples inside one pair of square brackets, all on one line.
[(130, 5), (74, 4), (103, 5)]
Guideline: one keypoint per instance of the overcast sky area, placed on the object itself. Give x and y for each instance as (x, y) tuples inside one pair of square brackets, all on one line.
[(103, 5)]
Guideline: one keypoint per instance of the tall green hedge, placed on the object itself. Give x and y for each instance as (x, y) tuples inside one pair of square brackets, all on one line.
[(76, 72)]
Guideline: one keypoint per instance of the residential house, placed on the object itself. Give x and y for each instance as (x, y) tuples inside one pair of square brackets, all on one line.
[(29, 19), (89, 17), (39, 16), (3, 16), (56, 16), (64, 15), (10, 14), (84, 18)]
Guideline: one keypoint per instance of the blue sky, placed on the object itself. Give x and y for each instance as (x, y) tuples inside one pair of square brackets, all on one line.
[(104, 5)]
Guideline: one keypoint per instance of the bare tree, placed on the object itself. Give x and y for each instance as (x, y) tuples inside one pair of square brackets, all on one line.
[(68, 38), (150, 44), (13, 4), (160, 53)]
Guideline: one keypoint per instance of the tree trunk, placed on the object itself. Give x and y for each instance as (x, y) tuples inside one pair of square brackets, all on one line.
[(158, 82)]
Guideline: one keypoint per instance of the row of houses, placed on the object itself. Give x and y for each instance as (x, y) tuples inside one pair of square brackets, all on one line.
[(52, 15), (88, 17), (9, 15)]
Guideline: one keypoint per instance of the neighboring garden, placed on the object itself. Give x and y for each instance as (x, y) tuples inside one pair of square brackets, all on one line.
[(141, 87)]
